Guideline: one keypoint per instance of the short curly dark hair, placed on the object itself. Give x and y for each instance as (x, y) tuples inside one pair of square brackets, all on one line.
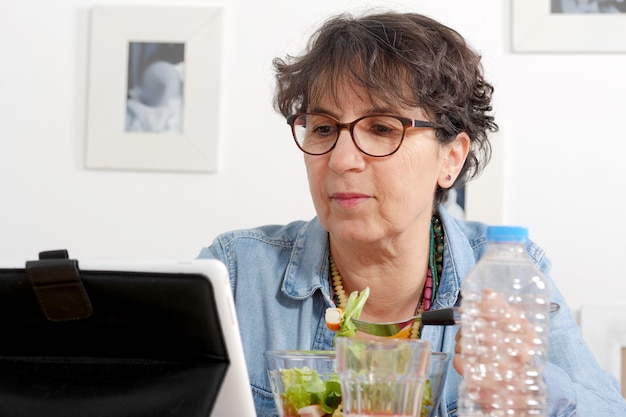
[(401, 59)]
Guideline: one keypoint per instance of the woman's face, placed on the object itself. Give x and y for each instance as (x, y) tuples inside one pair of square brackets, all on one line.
[(364, 199)]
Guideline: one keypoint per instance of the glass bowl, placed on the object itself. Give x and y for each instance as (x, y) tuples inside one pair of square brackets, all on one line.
[(308, 378), (303, 378)]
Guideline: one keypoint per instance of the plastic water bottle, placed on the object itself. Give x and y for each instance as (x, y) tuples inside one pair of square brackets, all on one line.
[(505, 309)]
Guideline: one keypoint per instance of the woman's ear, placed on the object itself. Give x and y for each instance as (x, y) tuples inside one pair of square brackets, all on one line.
[(454, 155)]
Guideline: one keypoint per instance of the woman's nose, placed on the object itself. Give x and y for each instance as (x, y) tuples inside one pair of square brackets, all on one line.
[(345, 155)]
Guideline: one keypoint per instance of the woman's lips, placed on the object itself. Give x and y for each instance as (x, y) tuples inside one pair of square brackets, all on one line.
[(348, 200)]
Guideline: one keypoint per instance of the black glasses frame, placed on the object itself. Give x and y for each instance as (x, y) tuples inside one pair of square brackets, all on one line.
[(406, 123)]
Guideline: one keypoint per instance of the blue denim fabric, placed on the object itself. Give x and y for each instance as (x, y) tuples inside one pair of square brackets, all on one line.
[(280, 281)]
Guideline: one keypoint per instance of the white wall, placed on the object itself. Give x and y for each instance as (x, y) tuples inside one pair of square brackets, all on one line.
[(561, 116)]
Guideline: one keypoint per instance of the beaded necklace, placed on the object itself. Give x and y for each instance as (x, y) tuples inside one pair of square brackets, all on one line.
[(435, 266)]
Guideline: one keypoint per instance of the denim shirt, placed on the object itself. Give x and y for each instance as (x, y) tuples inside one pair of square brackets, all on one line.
[(280, 281)]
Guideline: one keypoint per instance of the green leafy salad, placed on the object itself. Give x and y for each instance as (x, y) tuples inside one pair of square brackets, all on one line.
[(308, 395)]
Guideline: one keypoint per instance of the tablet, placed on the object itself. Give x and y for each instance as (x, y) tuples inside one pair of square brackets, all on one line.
[(120, 339)]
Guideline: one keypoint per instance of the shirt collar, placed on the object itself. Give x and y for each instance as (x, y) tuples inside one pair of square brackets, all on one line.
[(460, 255), (307, 270)]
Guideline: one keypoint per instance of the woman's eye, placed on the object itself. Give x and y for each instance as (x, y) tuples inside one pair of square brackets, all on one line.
[(380, 126), (381, 129), (324, 130)]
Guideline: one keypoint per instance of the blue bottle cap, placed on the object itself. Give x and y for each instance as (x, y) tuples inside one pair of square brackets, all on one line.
[(507, 234)]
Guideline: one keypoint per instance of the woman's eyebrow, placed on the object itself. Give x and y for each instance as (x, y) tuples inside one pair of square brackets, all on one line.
[(372, 110), (318, 109)]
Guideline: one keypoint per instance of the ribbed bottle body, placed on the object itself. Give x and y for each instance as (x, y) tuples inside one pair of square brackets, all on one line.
[(505, 312)]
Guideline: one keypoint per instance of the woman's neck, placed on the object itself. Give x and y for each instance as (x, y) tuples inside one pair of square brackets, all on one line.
[(395, 277)]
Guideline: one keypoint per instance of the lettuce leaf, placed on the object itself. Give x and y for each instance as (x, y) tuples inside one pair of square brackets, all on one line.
[(354, 307), (304, 387), (331, 398)]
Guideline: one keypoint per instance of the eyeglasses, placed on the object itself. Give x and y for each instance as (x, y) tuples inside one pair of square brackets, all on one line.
[(375, 134)]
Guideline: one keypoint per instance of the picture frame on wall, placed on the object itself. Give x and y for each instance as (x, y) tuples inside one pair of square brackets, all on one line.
[(153, 88), (569, 26)]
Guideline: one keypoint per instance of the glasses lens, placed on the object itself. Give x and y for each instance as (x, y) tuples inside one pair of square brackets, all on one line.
[(315, 133), (379, 135)]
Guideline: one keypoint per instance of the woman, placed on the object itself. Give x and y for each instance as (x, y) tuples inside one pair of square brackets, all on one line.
[(391, 111)]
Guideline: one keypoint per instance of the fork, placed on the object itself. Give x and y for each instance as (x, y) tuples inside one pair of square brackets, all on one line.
[(443, 317)]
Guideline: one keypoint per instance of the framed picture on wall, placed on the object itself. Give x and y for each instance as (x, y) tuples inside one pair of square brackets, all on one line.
[(569, 25), (153, 88)]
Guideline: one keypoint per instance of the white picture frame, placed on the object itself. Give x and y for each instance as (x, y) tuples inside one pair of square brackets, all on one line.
[(537, 29), (109, 143)]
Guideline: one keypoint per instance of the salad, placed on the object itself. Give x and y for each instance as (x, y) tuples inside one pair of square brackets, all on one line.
[(307, 394)]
